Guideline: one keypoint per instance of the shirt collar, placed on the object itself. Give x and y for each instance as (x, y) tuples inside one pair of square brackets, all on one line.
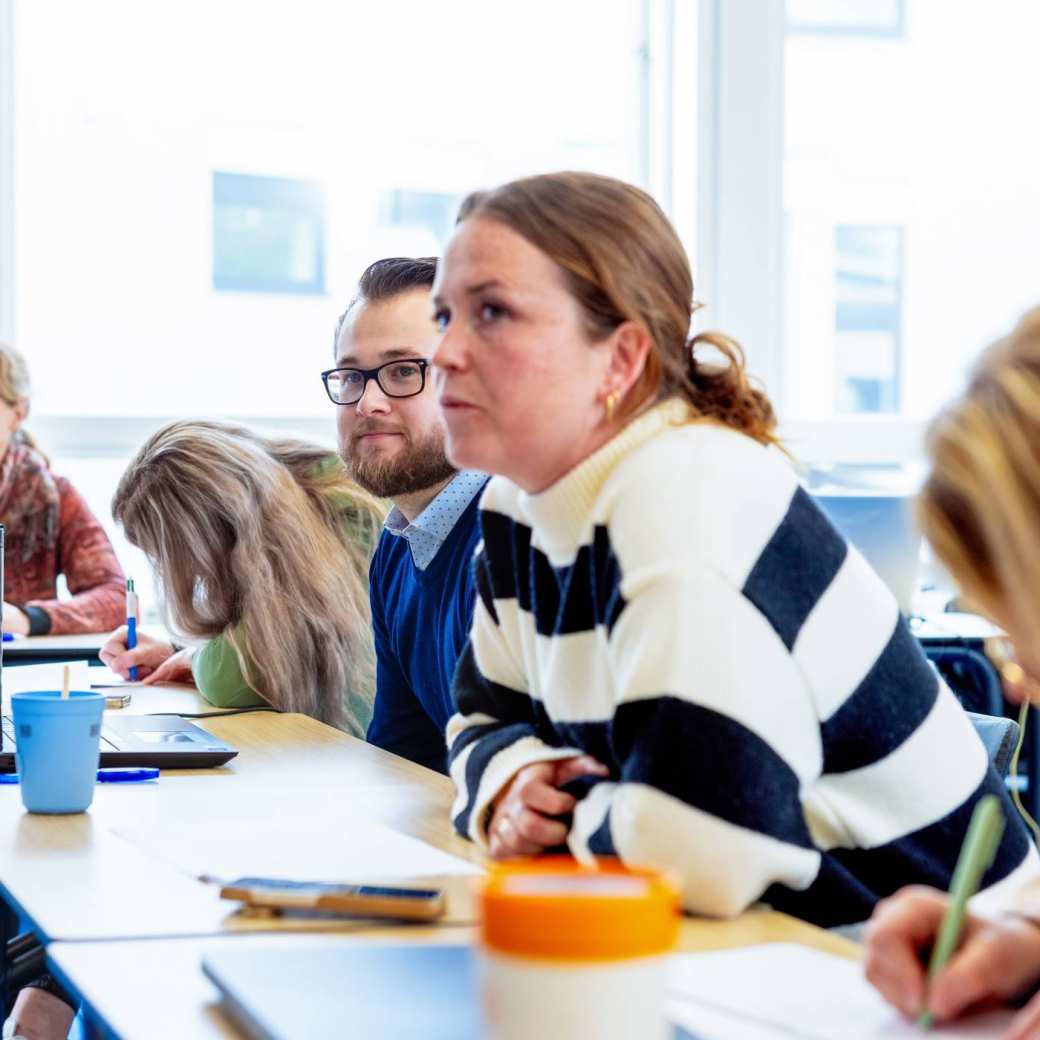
[(430, 529)]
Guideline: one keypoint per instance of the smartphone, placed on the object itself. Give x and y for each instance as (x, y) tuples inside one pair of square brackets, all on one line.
[(409, 904)]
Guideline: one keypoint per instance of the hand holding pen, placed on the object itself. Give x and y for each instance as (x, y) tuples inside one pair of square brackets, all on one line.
[(974, 960)]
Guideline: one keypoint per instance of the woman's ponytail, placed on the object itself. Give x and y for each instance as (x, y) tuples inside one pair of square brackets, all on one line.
[(724, 391)]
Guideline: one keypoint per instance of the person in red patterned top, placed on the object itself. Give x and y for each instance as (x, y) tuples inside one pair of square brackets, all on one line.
[(49, 530)]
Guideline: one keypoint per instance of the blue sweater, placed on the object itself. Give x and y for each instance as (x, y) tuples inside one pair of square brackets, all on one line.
[(421, 621)]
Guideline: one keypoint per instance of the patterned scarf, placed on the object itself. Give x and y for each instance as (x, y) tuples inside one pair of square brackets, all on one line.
[(28, 502)]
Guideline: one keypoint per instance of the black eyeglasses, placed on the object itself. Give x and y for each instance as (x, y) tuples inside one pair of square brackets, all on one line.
[(405, 377)]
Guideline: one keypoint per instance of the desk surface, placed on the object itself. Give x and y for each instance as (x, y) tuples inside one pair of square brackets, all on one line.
[(156, 989), (81, 646), (952, 627), (86, 877)]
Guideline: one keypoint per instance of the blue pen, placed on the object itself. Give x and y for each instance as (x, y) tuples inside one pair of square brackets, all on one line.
[(105, 776), (126, 776), (131, 623), (8, 637)]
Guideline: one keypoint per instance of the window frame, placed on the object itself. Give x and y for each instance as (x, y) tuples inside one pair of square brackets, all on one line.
[(7, 271), (741, 227)]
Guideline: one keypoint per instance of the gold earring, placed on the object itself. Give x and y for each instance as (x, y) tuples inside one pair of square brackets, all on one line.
[(610, 403)]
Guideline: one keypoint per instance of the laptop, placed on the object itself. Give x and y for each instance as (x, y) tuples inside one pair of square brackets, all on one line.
[(340, 992), (881, 525), (352, 991), (326, 992), (163, 741)]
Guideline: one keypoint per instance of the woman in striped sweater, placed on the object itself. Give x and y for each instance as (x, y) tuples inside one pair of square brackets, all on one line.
[(675, 658)]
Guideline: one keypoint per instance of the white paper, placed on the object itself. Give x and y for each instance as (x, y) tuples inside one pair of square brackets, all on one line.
[(27, 677), (784, 990), (103, 678), (321, 847)]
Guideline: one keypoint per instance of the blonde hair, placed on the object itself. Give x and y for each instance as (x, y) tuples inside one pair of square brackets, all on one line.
[(268, 543), (623, 261), (980, 507), (15, 388)]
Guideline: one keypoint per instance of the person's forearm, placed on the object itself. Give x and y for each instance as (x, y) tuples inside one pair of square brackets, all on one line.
[(486, 751), (99, 609)]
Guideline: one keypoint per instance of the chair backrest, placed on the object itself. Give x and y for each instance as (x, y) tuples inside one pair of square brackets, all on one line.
[(971, 676), (999, 735)]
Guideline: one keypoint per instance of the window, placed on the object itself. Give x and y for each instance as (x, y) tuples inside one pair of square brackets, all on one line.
[(867, 318), (6, 170), (875, 210), (268, 234), (236, 169), (846, 17), (432, 212), (199, 186)]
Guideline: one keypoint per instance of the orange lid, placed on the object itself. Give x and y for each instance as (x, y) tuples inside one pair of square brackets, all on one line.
[(556, 909)]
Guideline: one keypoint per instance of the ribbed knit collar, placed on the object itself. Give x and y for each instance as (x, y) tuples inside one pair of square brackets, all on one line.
[(560, 513)]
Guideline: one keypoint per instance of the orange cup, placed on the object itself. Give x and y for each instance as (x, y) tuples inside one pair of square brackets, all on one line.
[(576, 951)]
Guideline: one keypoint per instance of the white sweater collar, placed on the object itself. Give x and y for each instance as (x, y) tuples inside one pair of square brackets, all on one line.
[(561, 512)]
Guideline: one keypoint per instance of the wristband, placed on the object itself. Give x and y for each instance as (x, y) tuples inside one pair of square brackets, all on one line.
[(50, 985), (39, 620)]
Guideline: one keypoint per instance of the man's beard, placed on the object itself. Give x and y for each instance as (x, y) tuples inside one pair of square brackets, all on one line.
[(417, 466)]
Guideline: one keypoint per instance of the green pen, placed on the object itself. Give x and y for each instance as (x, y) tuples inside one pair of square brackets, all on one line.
[(977, 855)]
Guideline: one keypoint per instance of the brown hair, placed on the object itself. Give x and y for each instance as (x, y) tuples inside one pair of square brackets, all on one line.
[(384, 279), (266, 542), (980, 506), (15, 389), (624, 262)]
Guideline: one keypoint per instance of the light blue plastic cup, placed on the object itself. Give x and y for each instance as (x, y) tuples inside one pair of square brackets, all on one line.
[(57, 744)]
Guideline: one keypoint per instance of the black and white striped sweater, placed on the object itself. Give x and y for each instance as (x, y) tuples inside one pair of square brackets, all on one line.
[(679, 608)]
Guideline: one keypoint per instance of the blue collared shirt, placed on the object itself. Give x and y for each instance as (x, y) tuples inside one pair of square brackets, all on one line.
[(427, 532)]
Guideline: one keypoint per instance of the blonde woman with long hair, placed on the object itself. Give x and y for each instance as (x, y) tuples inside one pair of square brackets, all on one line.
[(49, 530), (980, 510), (261, 548)]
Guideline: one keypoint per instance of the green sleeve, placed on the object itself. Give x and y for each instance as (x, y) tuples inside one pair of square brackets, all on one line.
[(219, 676)]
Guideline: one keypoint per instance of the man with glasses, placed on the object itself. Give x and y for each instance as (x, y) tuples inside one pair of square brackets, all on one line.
[(392, 437)]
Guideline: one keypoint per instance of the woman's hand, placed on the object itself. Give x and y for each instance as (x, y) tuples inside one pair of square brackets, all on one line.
[(174, 669), (15, 621), (149, 657), (39, 1015), (997, 960), (521, 823)]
